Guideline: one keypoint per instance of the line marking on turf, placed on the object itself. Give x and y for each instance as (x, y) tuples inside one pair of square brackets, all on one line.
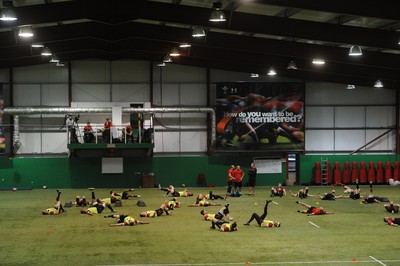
[(314, 224), (262, 263), (380, 262)]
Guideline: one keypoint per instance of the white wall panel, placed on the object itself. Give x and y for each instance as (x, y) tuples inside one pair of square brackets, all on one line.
[(346, 116), (4, 76), (380, 116), (384, 143), (30, 143), (54, 143), (27, 95), (319, 140), (194, 141), (323, 93), (181, 74), (90, 71), (54, 94), (91, 92), (46, 73), (134, 93), (319, 116), (130, 71), (166, 142), (193, 95), (349, 139), (170, 95)]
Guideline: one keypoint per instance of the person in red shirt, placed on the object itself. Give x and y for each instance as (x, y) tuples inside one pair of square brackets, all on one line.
[(392, 221), (107, 130), (88, 133), (238, 174), (312, 210), (129, 134), (230, 180)]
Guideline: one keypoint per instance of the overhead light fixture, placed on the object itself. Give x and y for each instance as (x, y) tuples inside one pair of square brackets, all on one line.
[(271, 71), (355, 50), (60, 64), (37, 45), (46, 52), (378, 84), (217, 15), (167, 59), (351, 87), (198, 32), (185, 45), (254, 75), (318, 61), (174, 52), (7, 14), (292, 65), (54, 59), (161, 64), (25, 32)]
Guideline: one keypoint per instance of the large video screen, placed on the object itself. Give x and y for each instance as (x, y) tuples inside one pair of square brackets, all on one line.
[(263, 116)]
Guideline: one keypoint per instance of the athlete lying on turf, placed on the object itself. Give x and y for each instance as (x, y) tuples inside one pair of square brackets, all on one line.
[(58, 208), (261, 219), (123, 220), (97, 206), (313, 210), (392, 221)]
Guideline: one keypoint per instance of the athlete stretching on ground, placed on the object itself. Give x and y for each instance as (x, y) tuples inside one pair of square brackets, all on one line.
[(261, 219), (312, 210)]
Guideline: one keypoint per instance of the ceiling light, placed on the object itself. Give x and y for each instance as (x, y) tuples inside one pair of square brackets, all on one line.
[(378, 84), (292, 65), (254, 75), (216, 14), (351, 87), (174, 52), (25, 32), (271, 71), (54, 59), (46, 52), (167, 59), (37, 45), (161, 64), (318, 61), (198, 32), (8, 14), (185, 45), (355, 50), (60, 64)]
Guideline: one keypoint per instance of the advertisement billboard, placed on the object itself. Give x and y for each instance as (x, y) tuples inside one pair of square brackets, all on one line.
[(264, 116)]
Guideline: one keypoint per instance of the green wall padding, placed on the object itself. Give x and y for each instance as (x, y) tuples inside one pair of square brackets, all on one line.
[(86, 172)]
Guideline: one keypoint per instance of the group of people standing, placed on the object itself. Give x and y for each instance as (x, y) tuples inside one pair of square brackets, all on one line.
[(88, 132), (235, 180)]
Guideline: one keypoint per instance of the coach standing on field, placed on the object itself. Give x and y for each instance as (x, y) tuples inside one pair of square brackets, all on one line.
[(252, 173), (238, 174)]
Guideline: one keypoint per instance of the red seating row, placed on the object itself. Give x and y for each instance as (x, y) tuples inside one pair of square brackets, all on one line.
[(363, 174)]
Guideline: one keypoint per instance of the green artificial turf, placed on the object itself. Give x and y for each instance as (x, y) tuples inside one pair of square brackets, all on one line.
[(355, 234)]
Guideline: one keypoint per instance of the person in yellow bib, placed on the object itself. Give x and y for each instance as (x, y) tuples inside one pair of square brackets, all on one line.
[(262, 222), (207, 216), (98, 205), (228, 227), (125, 220), (171, 189), (203, 203), (57, 209), (124, 195), (222, 216), (164, 208)]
